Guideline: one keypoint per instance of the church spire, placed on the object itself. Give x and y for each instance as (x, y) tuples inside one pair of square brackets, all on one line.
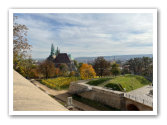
[(52, 50), (57, 51)]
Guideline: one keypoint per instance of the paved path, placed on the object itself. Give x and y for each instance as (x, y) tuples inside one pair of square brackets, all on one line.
[(62, 96), (27, 97), (142, 94)]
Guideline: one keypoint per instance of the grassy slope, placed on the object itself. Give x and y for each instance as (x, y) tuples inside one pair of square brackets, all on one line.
[(130, 82), (98, 81)]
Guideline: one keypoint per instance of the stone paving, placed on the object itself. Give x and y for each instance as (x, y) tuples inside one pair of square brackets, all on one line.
[(27, 97), (142, 95)]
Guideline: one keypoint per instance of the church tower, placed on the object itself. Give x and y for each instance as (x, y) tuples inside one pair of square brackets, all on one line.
[(57, 51), (52, 50)]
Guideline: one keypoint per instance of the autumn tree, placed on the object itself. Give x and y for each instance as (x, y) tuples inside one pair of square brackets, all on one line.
[(21, 46), (87, 71), (57, 72), (101, 66), (47, 68), (115, 69), (27, 66), (34, 73)]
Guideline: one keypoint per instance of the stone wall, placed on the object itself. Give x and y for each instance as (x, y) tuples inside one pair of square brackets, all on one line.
[(109, 97), (139, 105), (79, 87)]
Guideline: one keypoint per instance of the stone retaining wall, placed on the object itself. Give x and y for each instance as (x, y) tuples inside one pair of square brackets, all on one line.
[(105, 96), (139, 105)]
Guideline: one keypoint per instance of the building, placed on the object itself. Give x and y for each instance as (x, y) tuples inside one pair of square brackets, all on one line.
[(61, 58)]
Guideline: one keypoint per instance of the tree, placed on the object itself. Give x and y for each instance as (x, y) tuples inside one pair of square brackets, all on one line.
[(20, 44), (34, 73), (141, 66), (101, 66), (64, 69), (27, 65), (135, 65), (79, 65), (125, 69), (76, 63), (87, 71), (57, 72), (115, 69), (72, 73), (47, 68), (27, 68)]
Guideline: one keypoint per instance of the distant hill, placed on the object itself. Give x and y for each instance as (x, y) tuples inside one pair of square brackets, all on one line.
[(122, 58)]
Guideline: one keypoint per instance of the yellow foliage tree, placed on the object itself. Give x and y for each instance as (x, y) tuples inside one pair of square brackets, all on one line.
[(87, 71)]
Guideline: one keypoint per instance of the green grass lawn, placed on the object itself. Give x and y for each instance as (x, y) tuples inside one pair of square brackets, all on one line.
[(58, 83), (129, 82)]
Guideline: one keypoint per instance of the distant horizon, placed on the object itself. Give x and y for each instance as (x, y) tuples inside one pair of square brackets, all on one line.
[(102, 56), (116, 55)]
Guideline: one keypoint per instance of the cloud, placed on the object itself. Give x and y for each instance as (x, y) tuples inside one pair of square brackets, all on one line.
[(89, 34)]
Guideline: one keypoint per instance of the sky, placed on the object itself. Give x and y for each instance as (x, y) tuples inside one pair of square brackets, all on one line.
[(89, 34)]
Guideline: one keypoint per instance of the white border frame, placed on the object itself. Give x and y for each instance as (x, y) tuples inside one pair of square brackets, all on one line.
[(153, 11)]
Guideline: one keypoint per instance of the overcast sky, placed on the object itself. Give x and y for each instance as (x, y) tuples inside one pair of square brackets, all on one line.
[(86, 35)]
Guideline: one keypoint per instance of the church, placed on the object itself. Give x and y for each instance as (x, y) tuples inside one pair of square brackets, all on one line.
[(61, 58)]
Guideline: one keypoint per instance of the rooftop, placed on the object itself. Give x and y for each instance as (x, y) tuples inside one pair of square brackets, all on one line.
[(62, 58)]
